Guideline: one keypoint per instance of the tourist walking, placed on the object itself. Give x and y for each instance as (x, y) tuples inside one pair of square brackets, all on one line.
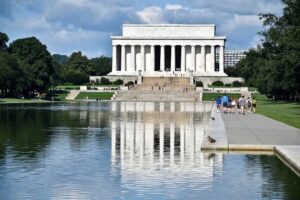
[(233, 104), (254, 105), (242, 102), (218, 103), (249, 104), (225, 103)]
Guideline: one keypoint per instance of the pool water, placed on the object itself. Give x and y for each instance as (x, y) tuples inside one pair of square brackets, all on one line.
[(127, 150)]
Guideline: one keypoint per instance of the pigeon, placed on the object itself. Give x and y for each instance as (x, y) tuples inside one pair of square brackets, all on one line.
[(211, 140), (212, 118)]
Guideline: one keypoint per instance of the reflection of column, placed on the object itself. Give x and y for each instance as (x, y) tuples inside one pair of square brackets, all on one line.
[(142, 138), (113, 141), (172, 142), (172, 106), (161, 106), (149, 138), (122, 140), (182, 143), (161, 143)]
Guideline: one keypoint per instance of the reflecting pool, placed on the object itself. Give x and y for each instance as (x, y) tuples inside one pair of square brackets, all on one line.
[(127, 150)]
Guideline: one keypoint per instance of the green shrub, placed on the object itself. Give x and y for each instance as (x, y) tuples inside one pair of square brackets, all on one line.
[(236, 84), (129, 83), (217, 83), (104, 81), (119, 82), (228, 85), (199, 84)]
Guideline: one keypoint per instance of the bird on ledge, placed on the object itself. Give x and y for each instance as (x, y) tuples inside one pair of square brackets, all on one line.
[(211, 140)]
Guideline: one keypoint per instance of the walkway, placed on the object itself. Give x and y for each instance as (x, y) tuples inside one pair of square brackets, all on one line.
[(255, 129)]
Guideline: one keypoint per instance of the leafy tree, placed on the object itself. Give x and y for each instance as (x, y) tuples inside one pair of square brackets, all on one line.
[(100, 66), (60, 59), (3, 40), (76, 77), (36, 64)]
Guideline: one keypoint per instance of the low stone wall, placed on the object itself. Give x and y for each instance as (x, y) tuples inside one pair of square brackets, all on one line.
[(111, 78)]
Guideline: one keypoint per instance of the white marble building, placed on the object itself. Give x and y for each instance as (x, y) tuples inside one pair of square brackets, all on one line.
[(169, 50)]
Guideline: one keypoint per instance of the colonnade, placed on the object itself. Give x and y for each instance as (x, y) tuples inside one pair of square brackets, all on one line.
[(171, 58)]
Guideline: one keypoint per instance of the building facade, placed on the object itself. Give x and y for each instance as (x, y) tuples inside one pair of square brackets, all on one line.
[(232, 57), (168, 50)]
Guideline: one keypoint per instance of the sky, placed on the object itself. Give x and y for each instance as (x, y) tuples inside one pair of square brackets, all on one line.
[(66, 26)]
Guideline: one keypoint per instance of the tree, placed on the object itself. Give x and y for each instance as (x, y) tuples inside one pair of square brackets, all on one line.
[(3, 40), (100, 66), (60, 59), (36, 64)]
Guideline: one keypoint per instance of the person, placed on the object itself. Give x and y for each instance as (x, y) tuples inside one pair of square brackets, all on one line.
[(233, 104), (225, 103), (249, 104), (218, 103), (229, 105), (242, 102), (254, 104), (238, 105)]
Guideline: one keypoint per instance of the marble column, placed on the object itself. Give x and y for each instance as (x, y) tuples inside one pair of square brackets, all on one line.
[(172, 58), (213, 57), (133, 58), (142, 57), (152, 50), (203, 58), (182, 58), (162, 57), (221, 59), (123, 59), (193, 54), (114, 58)]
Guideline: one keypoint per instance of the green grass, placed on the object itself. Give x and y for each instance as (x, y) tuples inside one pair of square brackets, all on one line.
[(95, 95), (17, 100), (286, 112), (59, 95), (213, 96)]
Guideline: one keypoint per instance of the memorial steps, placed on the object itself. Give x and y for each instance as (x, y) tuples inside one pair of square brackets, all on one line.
[(160, 89)]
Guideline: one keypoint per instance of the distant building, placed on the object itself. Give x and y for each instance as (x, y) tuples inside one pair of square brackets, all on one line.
[(232, 57)]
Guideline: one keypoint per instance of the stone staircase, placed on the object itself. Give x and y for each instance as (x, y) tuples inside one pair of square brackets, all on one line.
[(72, 94), (161, 89)]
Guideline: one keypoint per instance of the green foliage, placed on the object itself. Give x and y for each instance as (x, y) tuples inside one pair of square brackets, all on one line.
[(104, 81), (236, 84), (199, 84), (61, 59), (228, 85), (95, 95), (217, 83), (100, 66), (129, 83), (76, 77), (118, 82), (3, 40), (274, 68)]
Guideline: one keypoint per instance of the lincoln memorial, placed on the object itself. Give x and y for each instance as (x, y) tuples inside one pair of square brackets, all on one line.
[(168, 50)]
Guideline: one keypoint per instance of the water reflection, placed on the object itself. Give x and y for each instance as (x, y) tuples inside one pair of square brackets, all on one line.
[(154, 142)]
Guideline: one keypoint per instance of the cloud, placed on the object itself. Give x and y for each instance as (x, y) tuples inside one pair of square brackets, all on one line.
[(71, 25), (151, 15)]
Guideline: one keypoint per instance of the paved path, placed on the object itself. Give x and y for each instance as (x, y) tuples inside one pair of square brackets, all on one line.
[(255, 129)]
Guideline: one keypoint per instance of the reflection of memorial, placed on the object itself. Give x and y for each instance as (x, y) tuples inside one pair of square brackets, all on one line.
[(155, 140)]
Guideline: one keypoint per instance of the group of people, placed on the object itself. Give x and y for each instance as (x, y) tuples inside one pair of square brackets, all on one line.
[(232, 105)]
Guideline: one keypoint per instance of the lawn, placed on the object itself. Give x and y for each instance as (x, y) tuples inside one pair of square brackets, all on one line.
[(77, 87), (59, 95), (95, 95), (19, 100), (286, 112), (213, 96)]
